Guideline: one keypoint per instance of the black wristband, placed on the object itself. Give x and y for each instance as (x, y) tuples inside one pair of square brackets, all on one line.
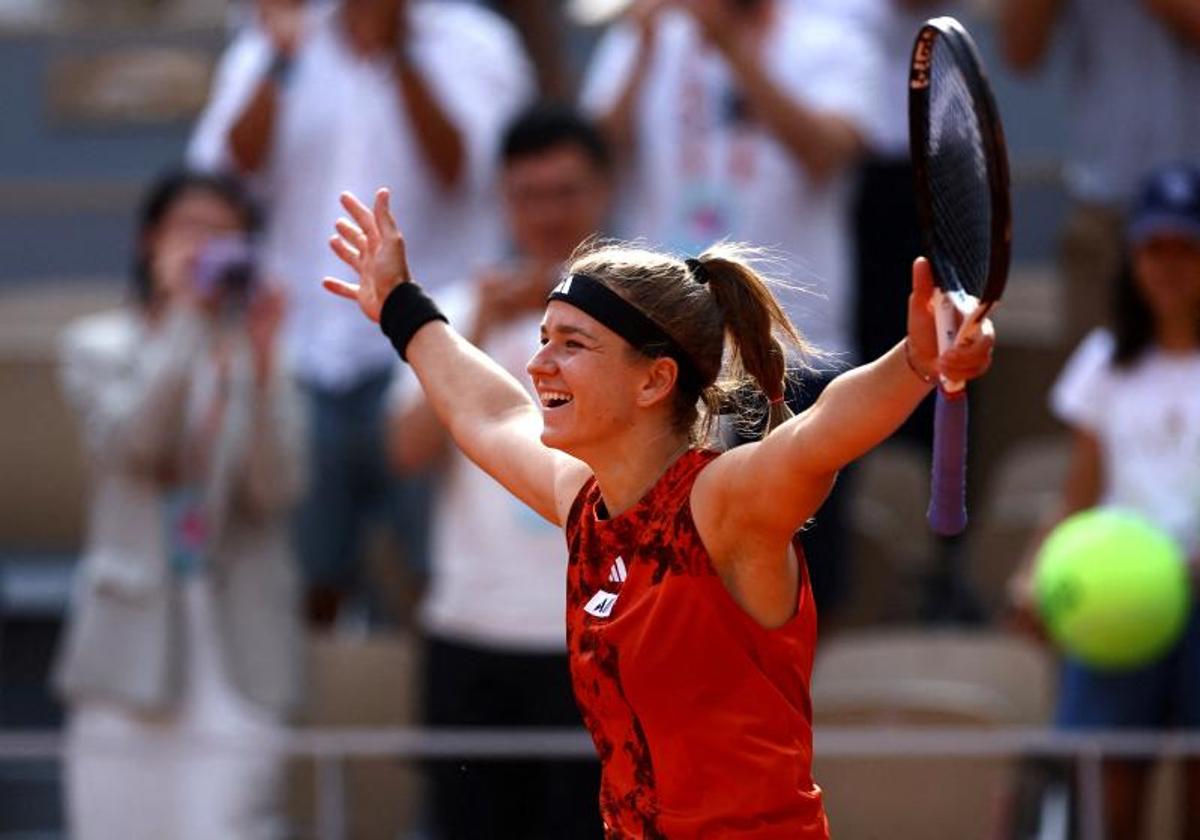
[(405, 310)]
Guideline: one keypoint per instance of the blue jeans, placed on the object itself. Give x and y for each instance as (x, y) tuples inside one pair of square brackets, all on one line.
[(1164, 694), (351, 487)]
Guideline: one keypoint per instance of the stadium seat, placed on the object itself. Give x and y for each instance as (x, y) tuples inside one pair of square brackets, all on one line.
[(890, 542), (922, 678)]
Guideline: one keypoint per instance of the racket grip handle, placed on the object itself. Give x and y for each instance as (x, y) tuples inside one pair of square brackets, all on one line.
[(948, 503)]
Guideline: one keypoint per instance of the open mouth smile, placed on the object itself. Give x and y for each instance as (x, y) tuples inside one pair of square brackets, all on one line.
[(554, 399)]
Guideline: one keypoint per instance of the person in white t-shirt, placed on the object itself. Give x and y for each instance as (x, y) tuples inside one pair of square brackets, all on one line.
[(1131, 395), (493, 615), (745, 120), (742, 120), (428, 87)]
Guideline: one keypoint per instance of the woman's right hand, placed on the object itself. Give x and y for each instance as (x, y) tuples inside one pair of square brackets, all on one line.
[(373, 247)]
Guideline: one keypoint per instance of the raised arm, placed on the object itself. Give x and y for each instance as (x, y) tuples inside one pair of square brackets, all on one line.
[(617, 117), (250, 135), (750, 501), (439, 139), (822, 141), (491, 418), (796, 464)]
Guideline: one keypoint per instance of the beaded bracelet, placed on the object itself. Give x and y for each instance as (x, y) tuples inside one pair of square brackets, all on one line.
[(928, 379)]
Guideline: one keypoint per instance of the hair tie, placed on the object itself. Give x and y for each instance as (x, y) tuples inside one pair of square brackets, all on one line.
[(697, 269), (776, 400)]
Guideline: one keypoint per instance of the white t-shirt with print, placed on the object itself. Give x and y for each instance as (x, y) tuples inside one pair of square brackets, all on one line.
[(700, 172), (498, 568), (1147, 420), (343, 125), (893, 26)]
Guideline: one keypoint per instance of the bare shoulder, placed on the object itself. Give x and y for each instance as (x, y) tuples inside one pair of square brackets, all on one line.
[(753, 492), (723, 476), (719, 493)]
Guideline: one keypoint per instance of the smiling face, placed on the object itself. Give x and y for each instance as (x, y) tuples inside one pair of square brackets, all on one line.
[(590, 382)]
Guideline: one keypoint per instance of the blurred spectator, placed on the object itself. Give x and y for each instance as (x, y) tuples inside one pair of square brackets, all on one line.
[(744, 119), (427, 88), (182, 651), (544, 32), (501, 660), (1133, 70), (1131, 395)]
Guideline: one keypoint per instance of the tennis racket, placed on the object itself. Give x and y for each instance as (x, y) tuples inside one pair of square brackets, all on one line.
[(961, 171)]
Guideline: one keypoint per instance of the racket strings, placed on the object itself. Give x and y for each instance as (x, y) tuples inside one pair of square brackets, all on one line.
[(958, 175)]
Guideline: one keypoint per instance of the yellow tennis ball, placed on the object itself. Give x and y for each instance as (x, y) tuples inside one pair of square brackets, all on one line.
[(1112, 589)]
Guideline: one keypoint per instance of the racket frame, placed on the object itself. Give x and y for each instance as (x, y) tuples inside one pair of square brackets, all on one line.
[(959, 314)]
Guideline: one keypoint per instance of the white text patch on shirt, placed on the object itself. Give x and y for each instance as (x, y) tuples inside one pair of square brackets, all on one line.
[(601, 604)]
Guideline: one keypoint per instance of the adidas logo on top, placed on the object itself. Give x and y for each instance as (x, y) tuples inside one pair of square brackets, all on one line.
[(617, 573), (602, 603)]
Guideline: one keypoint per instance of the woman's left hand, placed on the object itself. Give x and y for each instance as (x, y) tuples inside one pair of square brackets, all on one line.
[(969, 358)]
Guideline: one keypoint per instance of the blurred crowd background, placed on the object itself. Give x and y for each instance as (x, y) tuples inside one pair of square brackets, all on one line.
[(226, 511)]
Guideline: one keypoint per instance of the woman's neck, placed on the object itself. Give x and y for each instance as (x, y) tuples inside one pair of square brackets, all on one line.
[(627, 472), (1177, 334)]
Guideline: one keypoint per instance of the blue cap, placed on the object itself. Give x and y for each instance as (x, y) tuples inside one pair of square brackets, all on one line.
[(1169, 204)]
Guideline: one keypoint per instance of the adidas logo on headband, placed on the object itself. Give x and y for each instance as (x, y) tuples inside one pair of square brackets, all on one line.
[(589, 295)]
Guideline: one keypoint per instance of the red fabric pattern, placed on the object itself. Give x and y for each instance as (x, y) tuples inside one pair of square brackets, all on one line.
[(702, 718)]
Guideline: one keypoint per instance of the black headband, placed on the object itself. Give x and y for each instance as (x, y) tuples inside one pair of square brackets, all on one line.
[(592, 297)]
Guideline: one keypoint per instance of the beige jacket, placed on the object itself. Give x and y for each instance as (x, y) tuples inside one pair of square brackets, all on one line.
[(131, 389)]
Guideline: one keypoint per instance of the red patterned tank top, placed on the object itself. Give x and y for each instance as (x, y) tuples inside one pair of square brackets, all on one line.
[(701, 717)]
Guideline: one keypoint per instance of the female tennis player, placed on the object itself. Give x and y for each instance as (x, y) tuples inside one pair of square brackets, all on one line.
[(690, 624)]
